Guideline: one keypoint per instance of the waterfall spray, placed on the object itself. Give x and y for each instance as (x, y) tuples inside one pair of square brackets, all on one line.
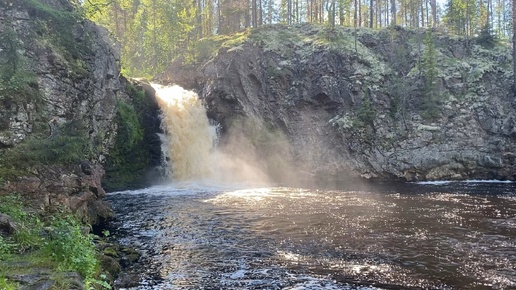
[(189, 136), (189, 142)]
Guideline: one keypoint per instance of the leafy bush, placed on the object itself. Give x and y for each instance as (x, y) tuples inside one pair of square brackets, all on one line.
[(28, 226), (70, 248), (58, 242), (7, 285), (5, 249)]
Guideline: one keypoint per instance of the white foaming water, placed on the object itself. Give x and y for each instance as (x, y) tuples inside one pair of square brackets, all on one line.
[(189, 136), (443, 182), (189, 144)]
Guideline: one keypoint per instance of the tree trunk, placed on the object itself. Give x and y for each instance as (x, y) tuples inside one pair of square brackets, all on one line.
[(422, 14), (260, 13), (359, 13), (371, 13), (355, 21), (254, 10), (393, 12), (433, 4), (199, 17)]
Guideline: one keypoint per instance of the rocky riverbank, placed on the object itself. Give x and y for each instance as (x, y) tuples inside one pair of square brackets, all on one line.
[(68, 119)]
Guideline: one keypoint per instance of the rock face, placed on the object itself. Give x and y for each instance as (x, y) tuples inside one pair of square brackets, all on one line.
[(368, 107), (59, 71)]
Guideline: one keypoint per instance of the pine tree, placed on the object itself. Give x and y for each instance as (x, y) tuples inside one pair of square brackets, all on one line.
[(429, 104)]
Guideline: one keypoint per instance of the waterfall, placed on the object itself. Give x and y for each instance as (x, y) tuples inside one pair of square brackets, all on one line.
[(188, 144), (189, 136)]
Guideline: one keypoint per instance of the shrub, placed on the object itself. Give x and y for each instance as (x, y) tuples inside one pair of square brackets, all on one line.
[(70, 248), (59, 243), (61, 149), (7, 285), (28, 226)]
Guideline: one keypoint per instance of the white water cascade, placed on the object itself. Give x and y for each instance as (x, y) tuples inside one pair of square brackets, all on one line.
[(189, 144), (189, 135)]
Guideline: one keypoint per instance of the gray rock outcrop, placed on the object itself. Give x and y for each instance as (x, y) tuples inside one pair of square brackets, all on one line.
[(58, 71), (360, 108)]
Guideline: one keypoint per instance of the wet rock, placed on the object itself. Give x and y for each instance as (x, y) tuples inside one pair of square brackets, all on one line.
[(42, 285), (317, 96), (129, 256), (43, 279), (73, 280), (112, 251), (7, 225), (110, 265), (127, 280)]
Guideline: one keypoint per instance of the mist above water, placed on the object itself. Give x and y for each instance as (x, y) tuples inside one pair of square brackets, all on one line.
[(190, 144)]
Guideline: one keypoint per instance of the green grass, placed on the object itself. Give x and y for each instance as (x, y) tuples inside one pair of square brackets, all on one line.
[(54, 242)]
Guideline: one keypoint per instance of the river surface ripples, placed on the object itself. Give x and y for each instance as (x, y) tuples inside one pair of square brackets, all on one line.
[(404, 236)]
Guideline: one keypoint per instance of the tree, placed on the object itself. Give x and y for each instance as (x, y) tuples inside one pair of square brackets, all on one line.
[(429, 74), (393, 11)]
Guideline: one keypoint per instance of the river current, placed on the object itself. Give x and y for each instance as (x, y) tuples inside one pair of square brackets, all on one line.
[(401, 236)]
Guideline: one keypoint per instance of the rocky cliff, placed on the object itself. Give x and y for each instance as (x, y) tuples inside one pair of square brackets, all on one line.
[(59, 91), (389, 104)]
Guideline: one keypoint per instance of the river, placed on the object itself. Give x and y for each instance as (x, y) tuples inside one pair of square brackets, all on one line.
[(399, 236)]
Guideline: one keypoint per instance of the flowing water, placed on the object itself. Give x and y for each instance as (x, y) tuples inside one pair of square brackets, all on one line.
[(458, 236), (213, 234)]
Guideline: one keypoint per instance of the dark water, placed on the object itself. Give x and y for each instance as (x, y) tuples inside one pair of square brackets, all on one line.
[(411, 236)]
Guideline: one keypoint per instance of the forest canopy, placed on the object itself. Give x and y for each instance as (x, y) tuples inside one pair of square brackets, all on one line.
[(155, 32)]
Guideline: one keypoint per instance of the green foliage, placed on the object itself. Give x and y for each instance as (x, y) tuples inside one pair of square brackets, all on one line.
[(69, 146), (16, 82), (208, 47), (5, 249), (59, 25), (128, 160), (69, 247), (8, 285), (57, 150), (461, 16), (400, 90), (131, 131), (27, 234), (430, 102), (105, 233), (12, 206), (153, 33), (365, 113), (57, 242), (485, 38)]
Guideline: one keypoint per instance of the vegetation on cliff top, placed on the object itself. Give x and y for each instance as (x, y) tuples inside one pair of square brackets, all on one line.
[(153, 33)]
